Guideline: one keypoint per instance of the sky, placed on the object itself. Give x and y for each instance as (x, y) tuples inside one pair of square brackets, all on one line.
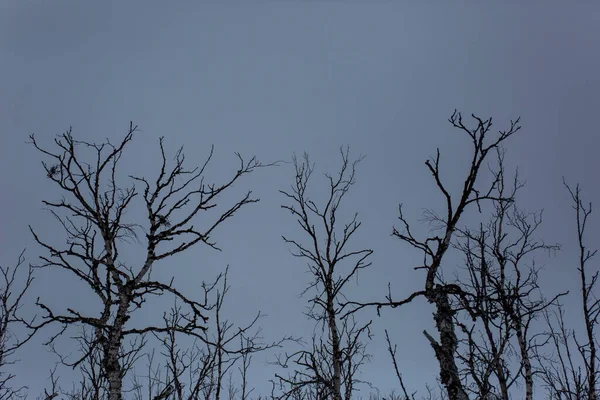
[(272, 79)]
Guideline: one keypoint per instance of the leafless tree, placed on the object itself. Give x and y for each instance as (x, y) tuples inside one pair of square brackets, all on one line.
[(13, 288), (571, 372), (502, 297), (93, 217), (54, 388), (328, 369), (435, 248), (392, 351), (199, 371)]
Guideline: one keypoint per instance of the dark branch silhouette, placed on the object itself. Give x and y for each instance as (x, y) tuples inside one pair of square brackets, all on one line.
[(330, 366), (93, 213)]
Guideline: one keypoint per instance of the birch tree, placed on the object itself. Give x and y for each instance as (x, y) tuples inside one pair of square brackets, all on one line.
[(199, 371), (14, 285), (457, 202), (570, 372), (182, 209), (501, 298), (329, 367)]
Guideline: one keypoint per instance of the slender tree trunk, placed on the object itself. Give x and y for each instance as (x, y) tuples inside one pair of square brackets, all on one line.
[(589, 301), (527, 368), (589, 326), (335, 346), (502, 383)]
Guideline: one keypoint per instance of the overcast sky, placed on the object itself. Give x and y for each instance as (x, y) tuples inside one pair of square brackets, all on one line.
[(274, 78)]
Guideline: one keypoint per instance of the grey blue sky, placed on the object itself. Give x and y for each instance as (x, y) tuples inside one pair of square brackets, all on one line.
[(273, 78)]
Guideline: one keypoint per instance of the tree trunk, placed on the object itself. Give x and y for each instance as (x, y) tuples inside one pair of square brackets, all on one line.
[(446, 349), (335, 347), (527, 368), (112, 365)]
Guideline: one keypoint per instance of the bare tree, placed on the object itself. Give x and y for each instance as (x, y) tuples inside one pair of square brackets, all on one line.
[(502, 297), (329, 368), (54, 388), (392, 351), (12, 293), (435, 248), (571, 372), (93, 216), (199, 370), (234, 346)]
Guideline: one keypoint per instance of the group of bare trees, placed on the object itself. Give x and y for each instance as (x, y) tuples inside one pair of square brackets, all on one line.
[(498, 335)]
